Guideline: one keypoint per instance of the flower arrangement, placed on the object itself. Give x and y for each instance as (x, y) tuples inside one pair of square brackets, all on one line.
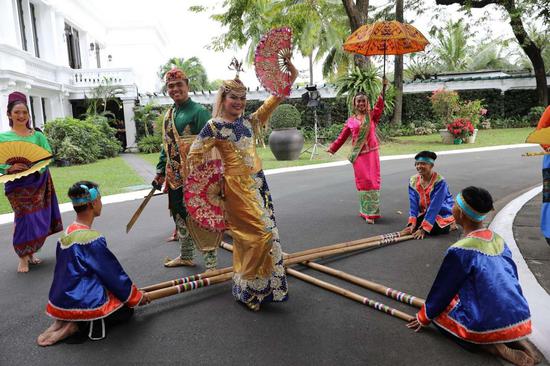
[(461, 128)]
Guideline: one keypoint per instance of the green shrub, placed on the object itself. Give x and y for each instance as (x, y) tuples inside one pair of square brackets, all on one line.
[(331, 133), (511, 122), (150, 144), (82, 142), (445, 104), (534, 115), (146, 118), (285, 116)]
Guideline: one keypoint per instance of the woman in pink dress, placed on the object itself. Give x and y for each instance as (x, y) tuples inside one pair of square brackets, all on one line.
[(364, 154)]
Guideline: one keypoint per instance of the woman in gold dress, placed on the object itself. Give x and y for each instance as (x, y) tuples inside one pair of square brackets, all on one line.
[(259, 274)]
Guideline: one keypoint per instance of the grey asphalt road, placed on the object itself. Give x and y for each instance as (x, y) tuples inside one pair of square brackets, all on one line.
[(315, 327)]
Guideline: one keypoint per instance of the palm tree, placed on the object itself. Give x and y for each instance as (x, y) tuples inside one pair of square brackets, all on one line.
[(451, 46), (490, 56), (102, 94), (193, 68), (367, 81)]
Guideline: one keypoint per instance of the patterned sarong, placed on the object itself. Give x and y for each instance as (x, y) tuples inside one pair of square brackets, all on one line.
[(36, 211)]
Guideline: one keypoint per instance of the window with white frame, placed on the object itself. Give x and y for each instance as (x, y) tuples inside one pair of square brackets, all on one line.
[(34, 29), (21, 21), (72, 40)]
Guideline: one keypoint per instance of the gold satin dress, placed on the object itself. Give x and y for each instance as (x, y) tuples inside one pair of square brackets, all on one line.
[(257, 255)]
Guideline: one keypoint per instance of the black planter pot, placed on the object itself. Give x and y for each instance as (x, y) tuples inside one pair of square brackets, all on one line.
[(286, 143)]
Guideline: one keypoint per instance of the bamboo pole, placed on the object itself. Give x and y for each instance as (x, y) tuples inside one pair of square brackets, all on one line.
[(333, 247), (540, 153), (328, 253), (191, 278), (351, 295), (189, 286), (207, 281), (381, 289), (345, 244)]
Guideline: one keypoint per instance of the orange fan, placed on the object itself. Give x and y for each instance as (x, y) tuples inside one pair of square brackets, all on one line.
[(13, 152)]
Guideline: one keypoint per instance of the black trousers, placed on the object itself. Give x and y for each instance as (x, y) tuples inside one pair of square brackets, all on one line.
[(97, 329), (436, 229)]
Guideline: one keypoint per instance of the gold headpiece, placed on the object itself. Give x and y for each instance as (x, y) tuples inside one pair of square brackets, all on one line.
[(236, 85)]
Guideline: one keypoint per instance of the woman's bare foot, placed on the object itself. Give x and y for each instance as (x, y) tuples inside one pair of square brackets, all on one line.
[(34, 260), (57, 332), (23, 266), (174, 236), (528, 347), (178, 262), (511, 355)]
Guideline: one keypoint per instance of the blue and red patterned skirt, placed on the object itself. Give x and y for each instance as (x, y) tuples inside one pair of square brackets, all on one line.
[(36, 211)]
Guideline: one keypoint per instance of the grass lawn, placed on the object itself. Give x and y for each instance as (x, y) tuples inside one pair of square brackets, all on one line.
[(151, 158), (401, 145), (112, 175)]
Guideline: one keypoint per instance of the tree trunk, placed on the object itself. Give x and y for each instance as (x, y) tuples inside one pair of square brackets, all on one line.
[(533, 52), (398, 73), (311, 69), (357, 15)]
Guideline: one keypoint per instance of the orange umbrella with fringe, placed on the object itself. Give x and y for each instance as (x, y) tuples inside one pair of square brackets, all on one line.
[(385, 38)]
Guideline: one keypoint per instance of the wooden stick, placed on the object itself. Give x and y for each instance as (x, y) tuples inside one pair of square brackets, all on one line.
[(381, 289), (191, 278), (351, 295), (344, 245), (207, 281), (328, 253), (194, 277), (536, 153), (185, 287)]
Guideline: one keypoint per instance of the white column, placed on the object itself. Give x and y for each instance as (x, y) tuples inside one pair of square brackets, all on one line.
[(8, 23), (4, 121), (129, 124)]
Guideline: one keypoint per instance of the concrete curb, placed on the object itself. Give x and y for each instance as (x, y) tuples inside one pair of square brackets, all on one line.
[(538, 298), (123, 197)]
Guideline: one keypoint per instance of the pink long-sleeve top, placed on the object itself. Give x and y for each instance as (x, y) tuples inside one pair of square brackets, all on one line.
[(352, 127)]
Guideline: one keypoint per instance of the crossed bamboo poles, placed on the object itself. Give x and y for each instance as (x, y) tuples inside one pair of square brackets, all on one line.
[(304, 257)]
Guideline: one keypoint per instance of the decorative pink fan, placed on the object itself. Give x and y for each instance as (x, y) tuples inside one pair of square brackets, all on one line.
[(203, 196), (269, 61)]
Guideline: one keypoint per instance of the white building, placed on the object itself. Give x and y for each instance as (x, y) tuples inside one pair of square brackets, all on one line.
[(56, 51)]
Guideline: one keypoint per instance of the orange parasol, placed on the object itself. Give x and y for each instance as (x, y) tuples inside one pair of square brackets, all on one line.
[(385, 38)]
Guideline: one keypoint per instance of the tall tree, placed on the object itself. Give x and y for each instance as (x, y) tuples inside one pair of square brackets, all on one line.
[(316, 24), (515, 9), (398, 73), (198, 79), (358, 13), (451, 46)]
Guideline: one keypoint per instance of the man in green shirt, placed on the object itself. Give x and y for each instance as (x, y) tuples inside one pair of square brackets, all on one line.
[(182, 122)]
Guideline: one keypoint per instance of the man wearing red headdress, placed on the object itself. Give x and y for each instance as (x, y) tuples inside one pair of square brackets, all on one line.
[(182, 122), (545, 213)]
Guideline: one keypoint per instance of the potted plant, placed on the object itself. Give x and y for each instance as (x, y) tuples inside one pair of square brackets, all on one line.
[(286, 141), (445, 103), (461, 129)]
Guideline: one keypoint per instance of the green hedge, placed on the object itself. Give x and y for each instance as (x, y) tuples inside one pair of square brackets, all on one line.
[(417, 106), (82, 142)]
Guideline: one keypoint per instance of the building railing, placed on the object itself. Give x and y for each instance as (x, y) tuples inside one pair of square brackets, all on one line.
[(95, 77)]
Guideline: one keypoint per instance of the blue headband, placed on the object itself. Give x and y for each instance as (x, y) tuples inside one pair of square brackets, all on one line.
[(425, 160), (470, 212), (91, 195)]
